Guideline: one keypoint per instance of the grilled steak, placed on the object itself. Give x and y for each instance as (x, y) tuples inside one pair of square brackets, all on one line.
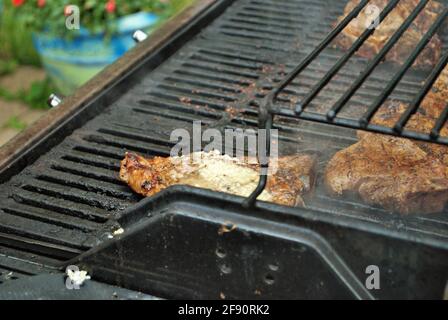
[(437, 99), (294, 177), (396, 173), (392, 172), (387, 28), (389, 114), (434, 103), (441, 85)]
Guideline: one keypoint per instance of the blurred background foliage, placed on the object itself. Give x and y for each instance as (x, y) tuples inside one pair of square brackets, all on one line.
[(17, 52), (16, 46)]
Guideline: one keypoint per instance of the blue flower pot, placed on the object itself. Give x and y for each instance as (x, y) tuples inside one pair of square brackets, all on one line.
[(70, 63)]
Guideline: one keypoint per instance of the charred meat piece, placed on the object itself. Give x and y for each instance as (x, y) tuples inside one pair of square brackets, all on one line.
[(437, 99), (434, 102), (432, 106), (387, 28), (396, 173), (390, 113), (211, 170), (391, 172), (441, 85)]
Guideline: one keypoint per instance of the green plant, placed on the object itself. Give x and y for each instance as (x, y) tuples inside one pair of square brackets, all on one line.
[(97, 16), (7, 66), (7, 95), (15, 123), (35, 97), (16, 39)]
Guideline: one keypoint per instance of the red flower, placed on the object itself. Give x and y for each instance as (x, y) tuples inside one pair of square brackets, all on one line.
[(110, 6), (17, 3), (41, 3)]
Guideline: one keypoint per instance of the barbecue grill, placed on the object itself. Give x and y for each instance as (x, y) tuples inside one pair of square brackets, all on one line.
[(229, 64)]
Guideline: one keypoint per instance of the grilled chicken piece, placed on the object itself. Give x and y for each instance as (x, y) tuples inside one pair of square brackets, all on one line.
[(387, 28), (211, 170), (398, 174)]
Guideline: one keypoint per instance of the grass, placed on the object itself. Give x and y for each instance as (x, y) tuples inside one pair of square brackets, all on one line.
[(15, 123), (7, 95), (35, 97), (7, 66)]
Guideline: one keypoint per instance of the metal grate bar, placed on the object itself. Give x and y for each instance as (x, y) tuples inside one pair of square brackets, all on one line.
[(399, 126), (333, 34), (439, 124), (335, 69), (409, 62), (267, 109), (374, 63)]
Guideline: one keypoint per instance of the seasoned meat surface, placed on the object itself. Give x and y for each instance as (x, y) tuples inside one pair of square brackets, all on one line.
[(434, 102), (441, 85), (387, 28), (437, 99), (390, 113), (398, 174), (211, 170), (391, 172)]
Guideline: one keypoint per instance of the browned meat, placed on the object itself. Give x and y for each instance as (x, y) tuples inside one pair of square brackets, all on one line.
[(434, 103), (387, 28), (437, 99), (432, 106), (398, 174), (391, 111), (391, 172), (389, 114), (294, 177), (441, 85)]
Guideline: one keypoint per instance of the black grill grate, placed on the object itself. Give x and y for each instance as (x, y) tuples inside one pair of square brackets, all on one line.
[(269, 109), (63, 204)]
